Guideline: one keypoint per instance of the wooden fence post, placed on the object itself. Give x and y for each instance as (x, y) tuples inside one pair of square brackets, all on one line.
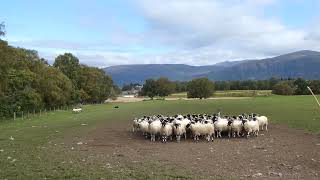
[(40, 113), (14, 116)]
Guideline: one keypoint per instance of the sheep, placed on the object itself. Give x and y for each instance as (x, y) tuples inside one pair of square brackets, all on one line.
[(166, 131), (236, 127), (263, 122), (208, 130), (202, 129), (251, 126), (144, 127), (135, 125), (77, 110), (222, 125), (179, 130), (199, 125), (154, 129), (195, 128)]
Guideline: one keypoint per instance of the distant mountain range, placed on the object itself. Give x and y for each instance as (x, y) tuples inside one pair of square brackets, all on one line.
[(305, 64)]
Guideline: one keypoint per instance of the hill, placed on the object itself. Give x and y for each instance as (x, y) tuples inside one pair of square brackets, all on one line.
[(305, 64)]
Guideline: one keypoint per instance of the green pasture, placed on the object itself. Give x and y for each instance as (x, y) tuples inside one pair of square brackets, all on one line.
[(39, 150)]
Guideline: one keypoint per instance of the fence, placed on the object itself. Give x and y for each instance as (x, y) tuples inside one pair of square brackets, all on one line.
[(37, 113)]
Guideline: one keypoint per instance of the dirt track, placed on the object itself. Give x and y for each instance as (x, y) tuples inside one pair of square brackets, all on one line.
[(279, 153)]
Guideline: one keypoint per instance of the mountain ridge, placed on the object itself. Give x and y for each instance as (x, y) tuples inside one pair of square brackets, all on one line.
[(305, 64)]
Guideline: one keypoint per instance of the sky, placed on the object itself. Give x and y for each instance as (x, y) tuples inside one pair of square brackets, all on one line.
[(103, 33)]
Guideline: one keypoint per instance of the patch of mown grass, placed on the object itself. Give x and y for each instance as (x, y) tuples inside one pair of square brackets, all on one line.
[(230, 93), (36, 151)]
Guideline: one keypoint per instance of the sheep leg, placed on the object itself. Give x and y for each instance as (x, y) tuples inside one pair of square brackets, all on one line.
[(178, 138), (238, 133), (267, 127)]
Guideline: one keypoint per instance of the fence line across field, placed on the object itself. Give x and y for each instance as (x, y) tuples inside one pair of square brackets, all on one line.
[(28, 114)]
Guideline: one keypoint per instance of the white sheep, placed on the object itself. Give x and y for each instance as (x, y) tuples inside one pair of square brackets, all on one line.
[(154, 129), (208, 130), (166, 131), (251, 126), (236, 127), (135, 125), (202, 129), (221, 125), (179, 130), (76, 110), (263, 122), (144, 127)]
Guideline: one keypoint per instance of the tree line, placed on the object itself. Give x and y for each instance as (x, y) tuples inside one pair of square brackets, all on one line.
[(197, 88), (204, 88), (29, 83)]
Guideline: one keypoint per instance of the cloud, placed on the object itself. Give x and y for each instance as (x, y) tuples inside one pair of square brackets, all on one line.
[(192, 32)]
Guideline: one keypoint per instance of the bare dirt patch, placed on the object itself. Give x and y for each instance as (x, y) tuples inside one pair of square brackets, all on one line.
[(280, 152)]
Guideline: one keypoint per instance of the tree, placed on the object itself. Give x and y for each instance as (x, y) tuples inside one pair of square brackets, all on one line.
[(94, 85), (180, 86), (200, 88), (315, 86), (2, 29), (164, 87), (69, 65), (301, 86), (283, 88), (149, 88)]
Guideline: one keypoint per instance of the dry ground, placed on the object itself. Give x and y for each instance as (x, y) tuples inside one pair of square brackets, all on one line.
[(278, 153)]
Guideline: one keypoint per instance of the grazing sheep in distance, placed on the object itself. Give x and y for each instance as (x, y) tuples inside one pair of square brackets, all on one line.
[(77, 110)]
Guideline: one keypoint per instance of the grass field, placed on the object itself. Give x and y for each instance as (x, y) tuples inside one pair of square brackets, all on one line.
[(230, 93), (40, 148)]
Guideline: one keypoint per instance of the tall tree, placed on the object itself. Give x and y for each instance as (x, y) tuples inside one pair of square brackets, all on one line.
[(69, 65), (301, 86), (200, 88), (2, 29), (149, 88), (283, 88), (164, 87)]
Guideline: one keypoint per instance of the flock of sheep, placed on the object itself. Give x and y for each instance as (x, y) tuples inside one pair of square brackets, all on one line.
[(199, 126)]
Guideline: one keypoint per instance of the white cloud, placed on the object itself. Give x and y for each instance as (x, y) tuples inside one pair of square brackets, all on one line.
[(201, 32)]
